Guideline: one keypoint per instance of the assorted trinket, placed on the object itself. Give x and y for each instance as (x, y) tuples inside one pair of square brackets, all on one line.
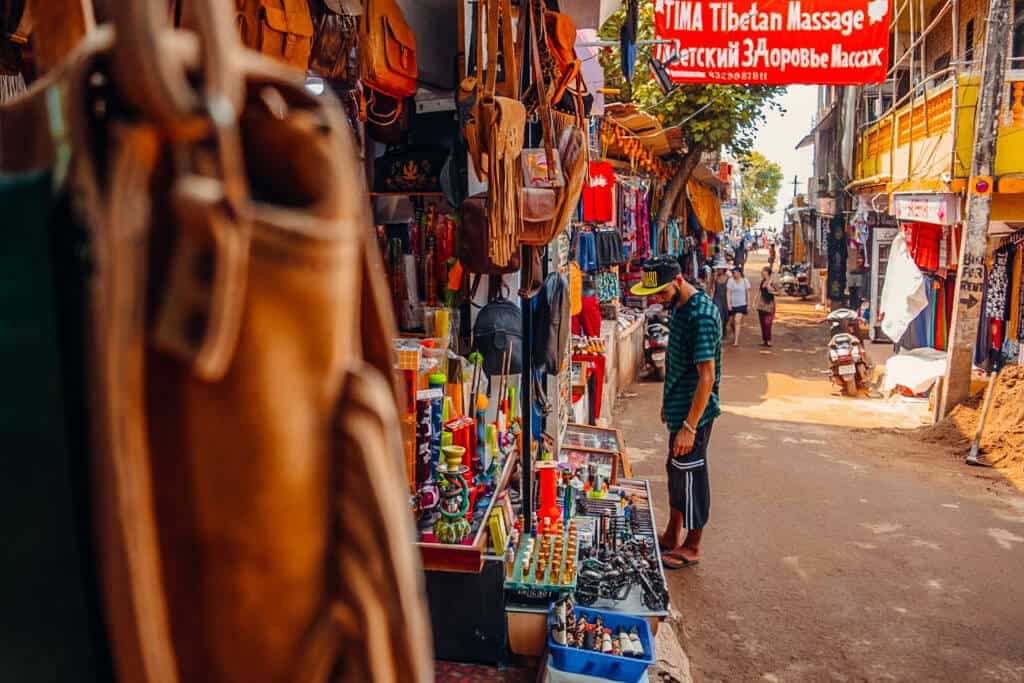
[(571, 630)]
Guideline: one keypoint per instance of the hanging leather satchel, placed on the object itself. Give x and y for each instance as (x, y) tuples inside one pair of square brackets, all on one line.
[(333, 54), (237, 308), (475, 239), (546, 211), (499, 123), (387, 54)]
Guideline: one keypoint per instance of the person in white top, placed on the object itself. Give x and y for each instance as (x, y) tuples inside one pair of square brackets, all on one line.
[(738, 289)]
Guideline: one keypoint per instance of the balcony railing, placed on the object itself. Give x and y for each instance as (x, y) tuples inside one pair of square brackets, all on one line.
[(926, 140)]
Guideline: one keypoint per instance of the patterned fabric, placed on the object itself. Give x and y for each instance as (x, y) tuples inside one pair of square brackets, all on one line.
[(608, 289), (998, 286), (695, 336)]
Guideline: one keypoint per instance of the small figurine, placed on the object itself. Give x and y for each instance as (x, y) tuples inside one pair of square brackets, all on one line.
[(510, 562), (634, 640), (606, 641), (625, 646), (558, 632), (588, 640)]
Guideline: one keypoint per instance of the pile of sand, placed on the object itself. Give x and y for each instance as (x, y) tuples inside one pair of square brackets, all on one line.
[(1003, 439)]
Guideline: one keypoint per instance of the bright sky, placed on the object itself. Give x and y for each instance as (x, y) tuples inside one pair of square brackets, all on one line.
[(777, 139)]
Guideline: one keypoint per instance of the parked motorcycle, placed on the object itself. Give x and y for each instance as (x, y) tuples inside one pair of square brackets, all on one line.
[(656, 332), (795, 280), (846, 354)]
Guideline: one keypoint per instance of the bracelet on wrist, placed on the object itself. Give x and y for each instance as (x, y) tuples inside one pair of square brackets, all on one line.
[(686, 425)]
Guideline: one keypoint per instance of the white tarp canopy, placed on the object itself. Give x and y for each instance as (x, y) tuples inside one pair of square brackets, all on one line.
[(916, 369), (903, 295)]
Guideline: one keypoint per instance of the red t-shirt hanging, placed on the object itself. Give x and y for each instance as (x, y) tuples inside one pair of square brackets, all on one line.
[(597, 194)]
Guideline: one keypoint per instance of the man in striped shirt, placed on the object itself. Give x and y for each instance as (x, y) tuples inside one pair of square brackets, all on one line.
[(689, 404)]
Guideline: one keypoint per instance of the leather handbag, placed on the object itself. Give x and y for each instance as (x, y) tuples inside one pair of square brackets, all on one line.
[(544, 218), (333, 53), (475, 238), (237, 308), (498, 123), (387, 54), (282, 29), (412, 168), (560, 32)]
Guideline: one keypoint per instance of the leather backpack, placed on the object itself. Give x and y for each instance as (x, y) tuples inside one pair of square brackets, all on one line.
[(387, 54), (498, 336), (552, 322)]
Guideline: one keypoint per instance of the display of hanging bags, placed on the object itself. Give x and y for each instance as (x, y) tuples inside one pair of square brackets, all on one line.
[(235, 305), (494, 219)]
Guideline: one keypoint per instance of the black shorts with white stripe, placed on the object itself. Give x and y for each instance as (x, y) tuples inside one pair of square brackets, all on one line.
[(689, 490)]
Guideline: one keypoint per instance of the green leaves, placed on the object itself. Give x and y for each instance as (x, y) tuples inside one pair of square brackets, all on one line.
[(759, 191)]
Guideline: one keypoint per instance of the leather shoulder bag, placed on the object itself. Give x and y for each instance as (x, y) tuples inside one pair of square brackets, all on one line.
[(387, 53), (499, 125)]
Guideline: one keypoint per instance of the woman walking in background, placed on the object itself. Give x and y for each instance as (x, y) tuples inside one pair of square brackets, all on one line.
[(766, 306), (738, 287)]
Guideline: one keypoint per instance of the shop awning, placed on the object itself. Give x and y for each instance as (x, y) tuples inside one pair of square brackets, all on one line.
[(706, 206), (645, 127)]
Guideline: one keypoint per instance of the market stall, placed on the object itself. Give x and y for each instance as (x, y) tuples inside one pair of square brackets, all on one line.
[(505, 212)]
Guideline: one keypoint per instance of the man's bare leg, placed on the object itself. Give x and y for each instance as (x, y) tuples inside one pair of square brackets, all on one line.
[(673, 535)]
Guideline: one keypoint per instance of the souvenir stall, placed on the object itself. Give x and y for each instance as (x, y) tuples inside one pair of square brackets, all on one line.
[(930, 225), (1001, 337), (508, 517)]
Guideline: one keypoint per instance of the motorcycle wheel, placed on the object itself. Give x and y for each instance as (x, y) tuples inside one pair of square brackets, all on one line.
[(850, 387)]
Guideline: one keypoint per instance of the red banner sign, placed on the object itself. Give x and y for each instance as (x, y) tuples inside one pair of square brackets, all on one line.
[(774, 42)]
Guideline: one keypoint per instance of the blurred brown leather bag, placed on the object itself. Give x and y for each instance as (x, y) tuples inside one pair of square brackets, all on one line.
[(247, 473)]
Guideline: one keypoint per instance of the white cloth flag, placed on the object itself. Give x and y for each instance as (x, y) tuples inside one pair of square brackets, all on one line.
[(903, 295)]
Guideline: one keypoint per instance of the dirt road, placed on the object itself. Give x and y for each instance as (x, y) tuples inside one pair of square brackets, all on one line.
[(836, 551)]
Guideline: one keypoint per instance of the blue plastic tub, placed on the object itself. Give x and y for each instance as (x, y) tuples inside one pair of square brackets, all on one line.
[(598, 664)]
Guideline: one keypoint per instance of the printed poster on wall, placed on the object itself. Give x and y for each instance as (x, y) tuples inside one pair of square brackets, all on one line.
[(774, 42)]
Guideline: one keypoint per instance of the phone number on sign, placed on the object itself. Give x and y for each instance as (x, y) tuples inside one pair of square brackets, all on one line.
[(741, 76)]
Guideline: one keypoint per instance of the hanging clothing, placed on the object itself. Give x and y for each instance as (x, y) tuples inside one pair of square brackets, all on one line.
[(903, 295), (608, 289), (586, 251), (598, 194)]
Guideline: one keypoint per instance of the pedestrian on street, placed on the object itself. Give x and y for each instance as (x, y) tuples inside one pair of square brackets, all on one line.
[(771, 255), (720, 293), (739, 258), (689, 403), (738, 287), (766, 306)]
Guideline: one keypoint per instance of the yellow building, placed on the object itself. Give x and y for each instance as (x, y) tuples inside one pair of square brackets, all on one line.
[(917, 133)]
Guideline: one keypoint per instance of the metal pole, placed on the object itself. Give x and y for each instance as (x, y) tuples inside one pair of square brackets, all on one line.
[(526, 394), (971, 272)]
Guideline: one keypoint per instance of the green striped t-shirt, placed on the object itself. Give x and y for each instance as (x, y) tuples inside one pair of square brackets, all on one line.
[(695, 336)]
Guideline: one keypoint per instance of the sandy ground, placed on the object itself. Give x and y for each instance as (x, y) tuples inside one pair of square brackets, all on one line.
[(841, 547)]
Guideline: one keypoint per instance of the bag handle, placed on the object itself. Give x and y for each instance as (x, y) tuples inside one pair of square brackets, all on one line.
[(543, 104)]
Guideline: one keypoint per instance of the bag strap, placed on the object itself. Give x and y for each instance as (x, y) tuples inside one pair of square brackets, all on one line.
[(510, 86), (491, 13), (543, 104), (477, 40)]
